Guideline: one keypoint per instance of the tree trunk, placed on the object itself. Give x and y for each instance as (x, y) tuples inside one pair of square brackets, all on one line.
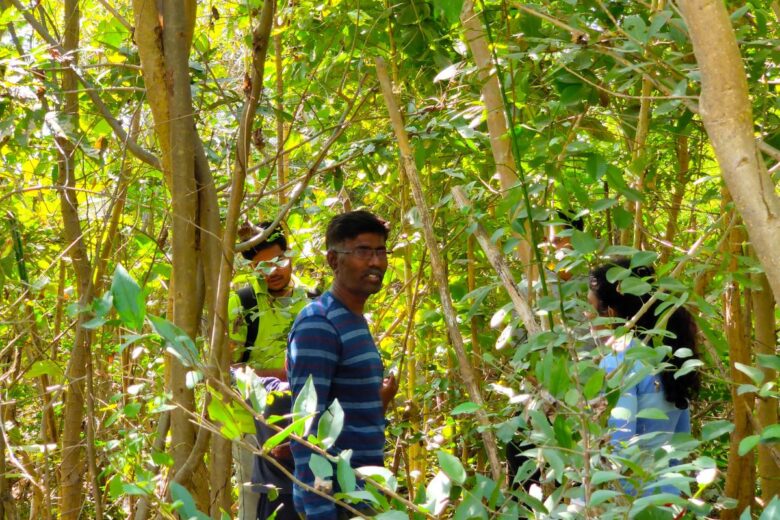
[(72, 465), (766, 408), (176, 41), (740, 476), (683, 169), (727, 115), (500, 146), (438, 267)]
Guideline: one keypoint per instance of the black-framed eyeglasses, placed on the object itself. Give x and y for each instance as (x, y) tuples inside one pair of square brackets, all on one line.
[(365, 253)]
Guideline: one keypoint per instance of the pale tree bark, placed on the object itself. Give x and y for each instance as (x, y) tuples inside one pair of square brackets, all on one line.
[(177, 37), (439, 270), (740, 476), (500, 145), (727, 115), (766, 408)]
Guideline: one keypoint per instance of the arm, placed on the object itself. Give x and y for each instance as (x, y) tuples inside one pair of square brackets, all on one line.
[(313, 350), (388, 391)]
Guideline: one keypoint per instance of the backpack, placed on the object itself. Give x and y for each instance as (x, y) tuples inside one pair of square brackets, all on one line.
[(248, 300)]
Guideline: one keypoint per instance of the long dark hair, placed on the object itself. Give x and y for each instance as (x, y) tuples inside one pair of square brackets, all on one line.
[(681, 324)]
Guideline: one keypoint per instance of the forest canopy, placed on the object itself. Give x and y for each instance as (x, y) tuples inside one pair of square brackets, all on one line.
[(511, 147)]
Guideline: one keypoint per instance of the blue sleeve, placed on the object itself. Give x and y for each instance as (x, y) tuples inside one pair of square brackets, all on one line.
[(313, 350)]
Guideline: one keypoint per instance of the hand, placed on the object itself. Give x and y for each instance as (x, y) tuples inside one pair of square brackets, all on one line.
[(388, 390)]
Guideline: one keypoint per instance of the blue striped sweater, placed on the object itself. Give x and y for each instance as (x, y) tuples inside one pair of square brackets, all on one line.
[(334, 346)]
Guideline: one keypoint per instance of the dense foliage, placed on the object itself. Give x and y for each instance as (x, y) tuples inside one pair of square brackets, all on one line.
[(600, 101)]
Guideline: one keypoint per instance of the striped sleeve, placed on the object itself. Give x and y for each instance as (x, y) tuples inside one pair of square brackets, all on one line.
[(313, 350)]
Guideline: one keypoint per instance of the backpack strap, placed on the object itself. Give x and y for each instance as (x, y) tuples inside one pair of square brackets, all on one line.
[(249, 303)]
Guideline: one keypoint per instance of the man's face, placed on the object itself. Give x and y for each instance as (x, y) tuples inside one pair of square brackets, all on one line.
[(353, 272), (279, 278)]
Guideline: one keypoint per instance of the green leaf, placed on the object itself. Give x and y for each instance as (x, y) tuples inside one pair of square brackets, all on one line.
[(281, 435), (452, 467), (467, 407), (715, 429), (635, 286), (599, 477), (583, 243), (769, 361), (178, 343), (220, 413), (393, 515), (772, 510), (753, 373), (187, 509), (643, 258), (43, 367), (450, 8), (747, 444), (128, 299), (305, 405), (344, 472), (320, 467), (594, 384), (555, 461), (602, 495), (437, 493), (652, 413), (330, 425), (771, 433)]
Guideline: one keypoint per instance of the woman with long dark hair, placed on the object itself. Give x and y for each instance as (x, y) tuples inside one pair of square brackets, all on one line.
[(659, 390)]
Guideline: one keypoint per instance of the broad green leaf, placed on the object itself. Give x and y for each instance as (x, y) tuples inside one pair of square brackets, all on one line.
[(280, 436), (178, 343), (772, 510), (345, 473), (437, 493), (220, 413), (451, 9), (392, 515), (771, 433), (305, 405), (643, 258), (583, 243), (555, 461), (635, 286), (320, 467), (380, 474), (599, 477), (43, 367), (755, 374), (602, 495), (769, 361), (330, 424), (715, 429), (652, 413), (594, 384), (128, 299), (467, 407), (470, 508), (452, 467), (187, 509), (747, 444)]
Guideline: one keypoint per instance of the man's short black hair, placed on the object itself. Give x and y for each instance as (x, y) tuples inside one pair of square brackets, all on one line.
[(248, 231), (351, 224)]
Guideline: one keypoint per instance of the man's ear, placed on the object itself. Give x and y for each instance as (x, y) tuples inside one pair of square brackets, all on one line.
[(332, 258)]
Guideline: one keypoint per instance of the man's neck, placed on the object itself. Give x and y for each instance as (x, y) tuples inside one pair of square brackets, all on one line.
[(353, 302), (281, 293)]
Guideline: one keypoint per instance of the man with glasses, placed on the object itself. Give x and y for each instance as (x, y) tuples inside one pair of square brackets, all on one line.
[(331, 342), (260, 315)]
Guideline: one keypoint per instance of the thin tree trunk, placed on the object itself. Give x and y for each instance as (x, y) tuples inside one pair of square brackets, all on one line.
[(683, 169), (220, 359), (727, 115), (500, 145), (766, 408), (72, 465), (740, 476), (176, 40), (438, 267)]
